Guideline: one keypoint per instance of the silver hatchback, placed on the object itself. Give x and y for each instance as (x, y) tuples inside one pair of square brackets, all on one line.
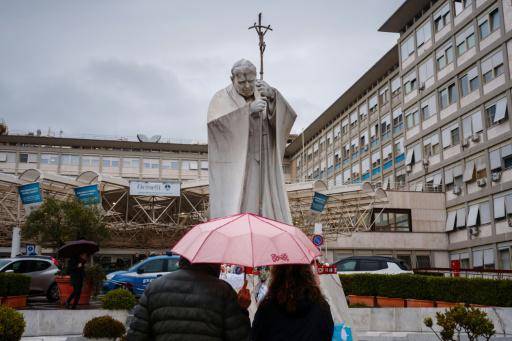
[(42, 270)]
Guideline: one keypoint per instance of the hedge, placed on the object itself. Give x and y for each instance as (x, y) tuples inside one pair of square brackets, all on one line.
[(450, 289), (12, 284)]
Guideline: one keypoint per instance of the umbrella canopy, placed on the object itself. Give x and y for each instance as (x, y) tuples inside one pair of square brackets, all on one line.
[(77, 247), (246, 239)]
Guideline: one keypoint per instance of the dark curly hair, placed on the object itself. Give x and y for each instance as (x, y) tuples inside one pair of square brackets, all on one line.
[(290, 284)]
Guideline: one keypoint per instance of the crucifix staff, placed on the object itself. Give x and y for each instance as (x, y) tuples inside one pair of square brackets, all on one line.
[(261, 30)]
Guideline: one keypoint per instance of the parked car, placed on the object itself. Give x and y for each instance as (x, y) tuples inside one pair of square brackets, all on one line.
[(137, 278), (41, 269), (371, 264)]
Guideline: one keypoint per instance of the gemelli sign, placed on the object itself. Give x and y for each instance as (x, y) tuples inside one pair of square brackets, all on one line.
[(156, 189)]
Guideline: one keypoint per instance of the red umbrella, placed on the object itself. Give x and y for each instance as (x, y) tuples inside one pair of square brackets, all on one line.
[(77, 247), (246, 239)]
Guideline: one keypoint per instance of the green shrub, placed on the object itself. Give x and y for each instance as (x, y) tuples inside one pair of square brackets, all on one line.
[(12, 284), (12, 324), (451, 289), (119, 299), (103, 327)]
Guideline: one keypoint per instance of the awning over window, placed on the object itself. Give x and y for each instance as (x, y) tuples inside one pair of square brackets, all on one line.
[(501, 109), (450, 221), (409, 157), (457, 171), (478, 258), (473, 215), (438, 178), (448, 176), (488, 257), (469, 172), (495, 159), (499, 207), (461, 217)]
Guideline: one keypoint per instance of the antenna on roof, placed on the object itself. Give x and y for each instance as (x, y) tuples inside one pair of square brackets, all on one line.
[(153, 139)]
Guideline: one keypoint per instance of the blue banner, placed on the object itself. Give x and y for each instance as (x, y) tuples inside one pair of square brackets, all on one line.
[(30, 194), (89, 195), (319, 201)]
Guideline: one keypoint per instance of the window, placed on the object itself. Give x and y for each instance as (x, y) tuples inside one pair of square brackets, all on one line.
[(387, 153), (89, 161), (428, 107), (426, 70), (395, 86), (355, 171), (489, 23), (465, 40), (346, 176), (30, 158), (347, 265), (131, 163), (483, 259), (173, 164), (392, 220), (460, 5), (151, 163), (469, 82), (365, 166), (363, 112), (501, 159), (398, 120), (376, 159), (497, 112), (372, 103), (68, 160), (353, 119), (453, 177), (423, 34), (385, 126), (156, 265), (431, 145), (110, 162), (414, 154), (442, 17), (410, 82), (50, 159), (423, 261), (370, 265), (204, 165), (448, 96), (398, 147), (472, 124), (451, 136), (364, 140), (492, 66), (444, 56), (384, 95), (344, 129), (412, 118), (407, 47)]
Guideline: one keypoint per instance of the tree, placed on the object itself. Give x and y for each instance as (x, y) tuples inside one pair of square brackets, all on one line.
[(55, 222)]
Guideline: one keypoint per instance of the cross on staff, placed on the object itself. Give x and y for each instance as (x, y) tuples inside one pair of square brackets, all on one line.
[(261, 30)]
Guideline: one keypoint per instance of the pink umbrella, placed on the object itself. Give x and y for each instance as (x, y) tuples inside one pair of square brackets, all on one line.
[(246, 239)]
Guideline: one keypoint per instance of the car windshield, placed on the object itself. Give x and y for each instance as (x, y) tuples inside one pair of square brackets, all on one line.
[(4, 262)]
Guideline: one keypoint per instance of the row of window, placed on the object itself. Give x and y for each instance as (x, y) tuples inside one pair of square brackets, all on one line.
[(107, 162), (439, 25), (480, 213)]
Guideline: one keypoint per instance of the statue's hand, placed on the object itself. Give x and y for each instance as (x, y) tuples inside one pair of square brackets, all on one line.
[(257, 105), (265, 90)]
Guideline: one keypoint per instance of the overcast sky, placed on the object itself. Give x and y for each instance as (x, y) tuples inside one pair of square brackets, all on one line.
[(117, 68)]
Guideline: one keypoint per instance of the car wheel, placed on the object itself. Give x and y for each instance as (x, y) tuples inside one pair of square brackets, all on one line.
[(53, 293)]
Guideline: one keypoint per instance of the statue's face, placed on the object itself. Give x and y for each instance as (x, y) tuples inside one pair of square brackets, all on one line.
[(244, 83)]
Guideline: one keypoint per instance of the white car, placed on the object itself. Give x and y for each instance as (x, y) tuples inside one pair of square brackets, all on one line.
[(372, 265)]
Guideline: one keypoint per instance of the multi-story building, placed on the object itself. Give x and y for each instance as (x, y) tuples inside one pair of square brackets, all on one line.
[(431, 115)]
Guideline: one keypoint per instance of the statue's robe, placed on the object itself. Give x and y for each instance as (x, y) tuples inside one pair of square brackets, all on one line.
[(234, 139)]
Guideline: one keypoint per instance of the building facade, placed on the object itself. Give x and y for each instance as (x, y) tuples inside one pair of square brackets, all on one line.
[(432, 115)]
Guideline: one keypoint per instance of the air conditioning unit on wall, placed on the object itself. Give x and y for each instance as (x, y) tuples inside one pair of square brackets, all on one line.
[(474, 231), (475, 137), (408, 168), (481, 182), (496, 176), (457, 190), (465, 143)]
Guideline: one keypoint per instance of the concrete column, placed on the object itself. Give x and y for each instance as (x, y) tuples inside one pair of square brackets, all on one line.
[(16, 241)]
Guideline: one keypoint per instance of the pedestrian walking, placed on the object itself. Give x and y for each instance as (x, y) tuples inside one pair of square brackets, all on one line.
[(293, 308), (76, 271), (193, 304)]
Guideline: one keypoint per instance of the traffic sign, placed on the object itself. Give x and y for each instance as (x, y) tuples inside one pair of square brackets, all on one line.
[(318, 240), (30, 249)]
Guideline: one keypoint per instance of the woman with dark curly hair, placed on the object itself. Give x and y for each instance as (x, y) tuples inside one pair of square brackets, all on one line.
[(293, 308)]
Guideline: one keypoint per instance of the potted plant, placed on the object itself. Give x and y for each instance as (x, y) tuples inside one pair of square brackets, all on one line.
[(119, 299), (94, 277), (14, 289), (12, 324), (56, 222), (105, 328)]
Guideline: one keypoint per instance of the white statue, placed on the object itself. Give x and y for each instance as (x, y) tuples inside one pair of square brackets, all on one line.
[(244, 178)]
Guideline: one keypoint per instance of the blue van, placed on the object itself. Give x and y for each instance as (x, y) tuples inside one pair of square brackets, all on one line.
[(137, 278)]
